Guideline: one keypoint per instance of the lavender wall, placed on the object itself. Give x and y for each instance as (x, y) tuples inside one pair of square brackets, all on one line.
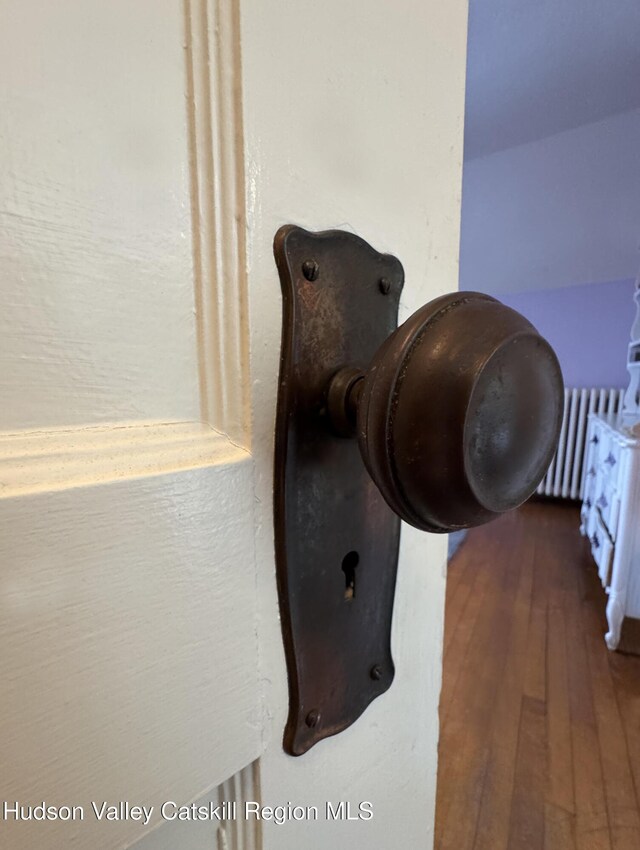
[(588, 325), (561, 211), (544, 223)]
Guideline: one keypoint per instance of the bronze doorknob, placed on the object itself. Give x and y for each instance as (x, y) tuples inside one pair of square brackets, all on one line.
[(449, 419), (458, 414)]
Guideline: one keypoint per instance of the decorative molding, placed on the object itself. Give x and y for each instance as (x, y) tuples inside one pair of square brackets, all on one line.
[(233, 832), (34, 461), (241, 834), (218, 212), (45, 461)]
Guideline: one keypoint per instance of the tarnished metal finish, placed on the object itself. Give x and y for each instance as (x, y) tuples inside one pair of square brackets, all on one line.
[(336, 538), (342, 400), (457, 415), (459, 412)]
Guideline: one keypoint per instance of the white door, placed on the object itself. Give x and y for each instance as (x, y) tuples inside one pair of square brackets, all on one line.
[(150, 149)]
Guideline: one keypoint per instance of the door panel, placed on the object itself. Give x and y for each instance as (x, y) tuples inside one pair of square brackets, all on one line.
[(94, 209), (151, 151), (129, 645), (128, 613), (122, 212)]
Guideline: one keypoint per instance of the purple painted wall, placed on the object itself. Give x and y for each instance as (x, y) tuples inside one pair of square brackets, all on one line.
[(588, 325)]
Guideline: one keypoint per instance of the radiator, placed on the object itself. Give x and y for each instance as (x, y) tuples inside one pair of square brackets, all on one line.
[(565, 476)]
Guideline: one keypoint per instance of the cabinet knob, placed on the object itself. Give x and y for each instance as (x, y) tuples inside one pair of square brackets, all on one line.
[(458, 414)]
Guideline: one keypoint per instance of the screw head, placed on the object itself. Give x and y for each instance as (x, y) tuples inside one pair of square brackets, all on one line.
[(312, 719), (310, 269), (376, 672), (384, 285)]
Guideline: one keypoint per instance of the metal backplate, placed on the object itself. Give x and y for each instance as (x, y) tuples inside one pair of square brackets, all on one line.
[(336, 538)]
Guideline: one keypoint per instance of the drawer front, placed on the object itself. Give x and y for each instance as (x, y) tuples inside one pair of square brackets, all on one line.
[(609, 463), (608, 457), (602, 484), (592, 452), (602, 549), (589, 495), (589, 520), (607, 502), (594, 442)]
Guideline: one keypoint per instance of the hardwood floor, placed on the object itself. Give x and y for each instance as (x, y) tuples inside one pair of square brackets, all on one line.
[(540, 723)]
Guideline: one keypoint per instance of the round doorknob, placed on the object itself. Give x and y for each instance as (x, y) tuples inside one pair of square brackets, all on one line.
[(458, 414)]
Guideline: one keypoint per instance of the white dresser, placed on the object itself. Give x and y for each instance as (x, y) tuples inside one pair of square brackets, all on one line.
[(611, 514)]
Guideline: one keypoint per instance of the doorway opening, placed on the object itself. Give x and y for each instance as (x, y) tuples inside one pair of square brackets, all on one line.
[(540, 703)]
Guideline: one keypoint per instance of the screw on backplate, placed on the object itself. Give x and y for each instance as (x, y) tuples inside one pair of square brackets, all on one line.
[(384, 284), (310, 269), (376, 672), (312, 719)]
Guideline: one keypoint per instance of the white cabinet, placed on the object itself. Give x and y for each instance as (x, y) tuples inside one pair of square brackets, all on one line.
[(610, 509)]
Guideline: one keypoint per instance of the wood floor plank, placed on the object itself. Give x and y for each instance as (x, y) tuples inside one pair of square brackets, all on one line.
[(492, 831), (477, 565), (559, 828), (462, 601), (559, 793), (560, 817), (625, 672), (624, 820), (535, 684), (592, 821), (465, 737), (540, 723), (460, 641), (526, 827)]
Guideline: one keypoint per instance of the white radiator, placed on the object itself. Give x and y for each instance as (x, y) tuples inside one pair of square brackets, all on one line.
[(565, 476)]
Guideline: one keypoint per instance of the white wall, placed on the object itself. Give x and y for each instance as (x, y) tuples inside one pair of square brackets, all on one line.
[(560, 211)]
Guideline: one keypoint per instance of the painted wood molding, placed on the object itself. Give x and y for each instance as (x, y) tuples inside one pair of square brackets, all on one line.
[(46, 461), (218, 212)]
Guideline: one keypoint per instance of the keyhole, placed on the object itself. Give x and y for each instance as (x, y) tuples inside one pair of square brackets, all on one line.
[(349, 564)]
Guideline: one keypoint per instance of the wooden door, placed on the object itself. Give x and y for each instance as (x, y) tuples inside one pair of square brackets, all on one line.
[(150, 151)]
